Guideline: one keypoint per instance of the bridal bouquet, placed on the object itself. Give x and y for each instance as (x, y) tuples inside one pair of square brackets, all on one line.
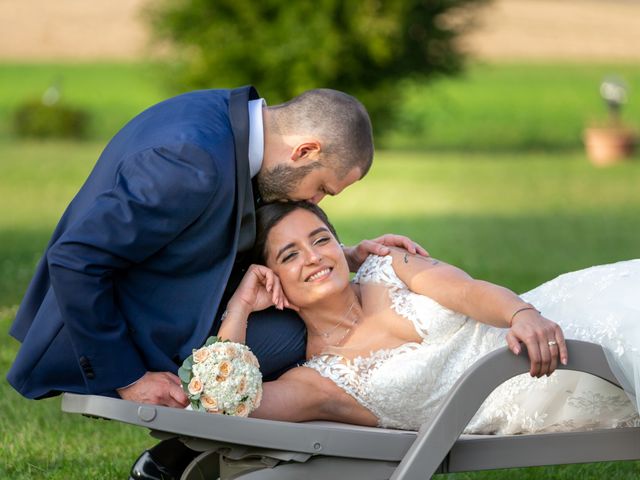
[(222, 377)]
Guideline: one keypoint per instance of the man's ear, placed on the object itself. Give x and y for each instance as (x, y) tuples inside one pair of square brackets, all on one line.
[(308, 151)]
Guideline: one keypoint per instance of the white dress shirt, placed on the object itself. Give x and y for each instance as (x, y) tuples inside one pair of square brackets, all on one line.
[(256, 135)]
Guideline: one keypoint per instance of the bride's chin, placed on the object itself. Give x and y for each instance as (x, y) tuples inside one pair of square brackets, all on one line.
[(327, 291), (311, 295)]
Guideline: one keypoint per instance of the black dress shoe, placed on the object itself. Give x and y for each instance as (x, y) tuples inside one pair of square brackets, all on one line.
[(166, 461)]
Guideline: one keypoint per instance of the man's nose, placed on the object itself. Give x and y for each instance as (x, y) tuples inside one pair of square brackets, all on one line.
[(317, 197)]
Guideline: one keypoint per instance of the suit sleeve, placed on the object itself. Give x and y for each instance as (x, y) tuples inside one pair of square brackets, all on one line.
[(156, 195)]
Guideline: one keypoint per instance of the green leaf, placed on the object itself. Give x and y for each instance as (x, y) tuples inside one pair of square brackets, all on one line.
[(184, 374), (188, 363), (211, 341)]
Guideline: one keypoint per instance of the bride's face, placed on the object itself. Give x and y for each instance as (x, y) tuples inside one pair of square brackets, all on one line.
[(307, 258)]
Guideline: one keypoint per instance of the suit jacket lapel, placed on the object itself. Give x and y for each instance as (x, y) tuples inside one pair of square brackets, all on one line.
[(245, 213)]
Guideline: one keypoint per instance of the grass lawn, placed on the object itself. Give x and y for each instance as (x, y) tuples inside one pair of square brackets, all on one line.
[(491, 107), (515, 219), (510, 107)]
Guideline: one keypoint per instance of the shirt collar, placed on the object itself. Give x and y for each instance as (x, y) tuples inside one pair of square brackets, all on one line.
[(256, 136)]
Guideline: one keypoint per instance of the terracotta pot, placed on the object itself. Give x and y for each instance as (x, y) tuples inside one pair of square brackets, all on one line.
[(608, 145)]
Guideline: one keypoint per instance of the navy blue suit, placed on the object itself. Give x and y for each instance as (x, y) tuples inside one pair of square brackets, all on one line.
[(136, 270)]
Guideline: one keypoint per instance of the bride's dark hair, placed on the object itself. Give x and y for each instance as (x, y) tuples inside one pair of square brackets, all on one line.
[(270, 214)]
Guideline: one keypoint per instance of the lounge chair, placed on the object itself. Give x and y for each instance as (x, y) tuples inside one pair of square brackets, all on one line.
[(248, 449)]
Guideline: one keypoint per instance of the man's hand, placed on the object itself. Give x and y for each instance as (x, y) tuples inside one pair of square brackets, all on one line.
[(158, 388), (544, 340), (380, 246)]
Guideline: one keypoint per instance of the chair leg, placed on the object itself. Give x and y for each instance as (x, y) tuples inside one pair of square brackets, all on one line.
[(165, 461), (205, 466)]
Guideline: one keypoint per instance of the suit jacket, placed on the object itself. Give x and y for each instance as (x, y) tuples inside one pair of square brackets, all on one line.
[(135, 271)]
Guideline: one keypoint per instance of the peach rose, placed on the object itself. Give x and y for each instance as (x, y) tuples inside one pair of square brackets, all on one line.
[(195, 386), (209, 403), (200, 355), (258, 399), (242, 386), (242, 410), (224, 369), (231, 351), (250, 358)]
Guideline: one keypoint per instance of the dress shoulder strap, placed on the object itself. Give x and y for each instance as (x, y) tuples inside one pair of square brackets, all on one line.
[(377, 269)]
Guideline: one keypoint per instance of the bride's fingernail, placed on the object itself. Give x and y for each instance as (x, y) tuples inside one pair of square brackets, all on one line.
[(564, 361)]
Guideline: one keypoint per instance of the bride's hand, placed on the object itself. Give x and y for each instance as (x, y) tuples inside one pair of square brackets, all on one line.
[(260, 288), (544, 340), (380, 246)]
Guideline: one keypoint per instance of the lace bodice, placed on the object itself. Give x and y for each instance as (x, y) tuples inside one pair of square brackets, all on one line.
[(404, 386)]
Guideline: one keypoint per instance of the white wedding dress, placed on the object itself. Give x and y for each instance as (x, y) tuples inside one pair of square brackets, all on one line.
[(404, 386)]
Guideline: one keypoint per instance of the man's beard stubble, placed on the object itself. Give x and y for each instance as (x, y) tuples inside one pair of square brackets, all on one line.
[(278, 183)]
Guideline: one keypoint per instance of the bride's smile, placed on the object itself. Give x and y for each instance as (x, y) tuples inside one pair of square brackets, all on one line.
[(320, 275)]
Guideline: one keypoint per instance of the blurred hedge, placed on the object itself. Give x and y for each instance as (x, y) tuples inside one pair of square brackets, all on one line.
[(362, 47), (34, 119)]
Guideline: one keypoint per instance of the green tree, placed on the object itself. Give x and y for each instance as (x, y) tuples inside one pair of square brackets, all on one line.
[(363, 47)]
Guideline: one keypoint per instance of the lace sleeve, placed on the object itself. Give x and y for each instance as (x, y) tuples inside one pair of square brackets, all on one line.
[(377, 269)]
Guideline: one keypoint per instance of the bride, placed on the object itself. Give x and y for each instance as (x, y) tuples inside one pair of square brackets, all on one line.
[(385, 348)]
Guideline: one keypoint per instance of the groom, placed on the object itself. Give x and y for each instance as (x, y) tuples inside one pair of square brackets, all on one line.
[(134, 275)]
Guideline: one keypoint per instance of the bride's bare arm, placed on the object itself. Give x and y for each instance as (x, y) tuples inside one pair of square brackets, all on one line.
[(456, 290), (259, 289), (302, 394), (487, 303)]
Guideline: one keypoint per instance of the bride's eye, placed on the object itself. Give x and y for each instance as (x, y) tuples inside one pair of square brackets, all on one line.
[(321, 240), (288, 257)]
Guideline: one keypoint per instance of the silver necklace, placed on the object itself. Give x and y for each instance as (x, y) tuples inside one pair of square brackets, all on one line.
[(328, 333)]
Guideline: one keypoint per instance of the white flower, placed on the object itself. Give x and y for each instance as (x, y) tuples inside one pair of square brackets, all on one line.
[(227, 377)]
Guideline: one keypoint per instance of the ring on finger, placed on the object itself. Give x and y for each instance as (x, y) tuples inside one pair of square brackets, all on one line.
[(552, 343)]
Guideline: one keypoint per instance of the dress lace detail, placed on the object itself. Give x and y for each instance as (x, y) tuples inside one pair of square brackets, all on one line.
[(354, 376), (424, 313), (404, 386)]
